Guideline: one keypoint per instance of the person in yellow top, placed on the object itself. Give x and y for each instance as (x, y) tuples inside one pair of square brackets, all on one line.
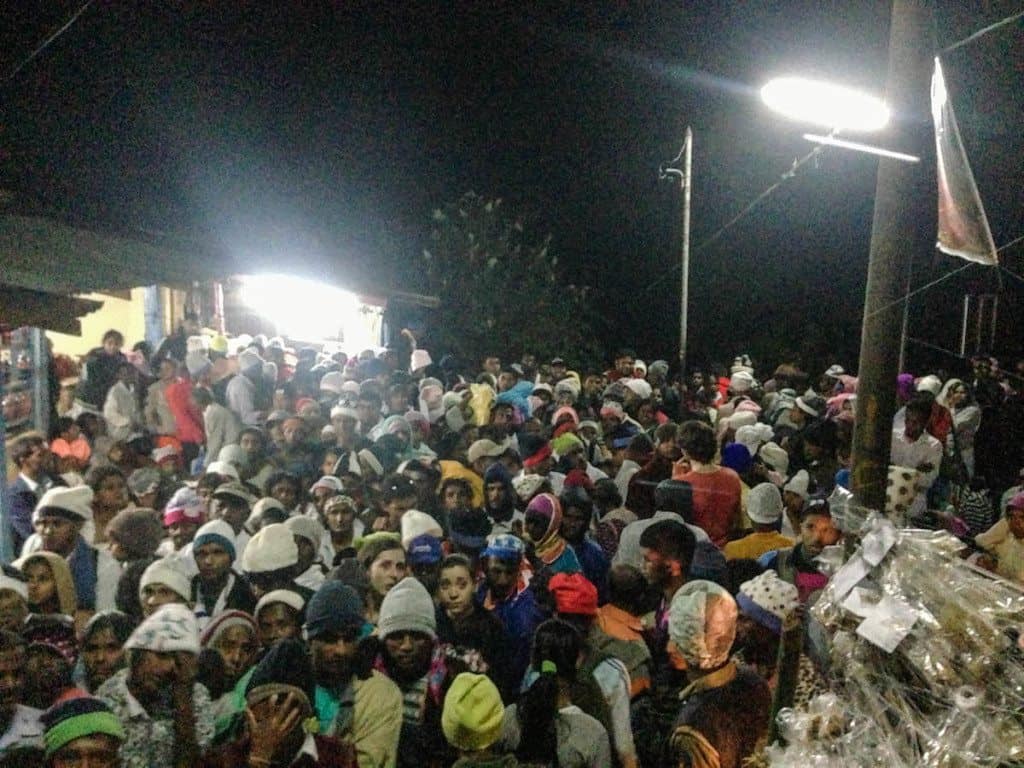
[(764, 508), (1004, 542)]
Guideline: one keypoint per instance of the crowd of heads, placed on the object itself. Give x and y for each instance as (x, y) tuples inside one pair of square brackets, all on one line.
[(269, 550)]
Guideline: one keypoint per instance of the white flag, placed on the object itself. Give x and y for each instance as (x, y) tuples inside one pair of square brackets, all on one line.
[(963, 228)]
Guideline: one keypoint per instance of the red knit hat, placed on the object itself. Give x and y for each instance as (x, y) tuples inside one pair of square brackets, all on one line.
[(573, 593)]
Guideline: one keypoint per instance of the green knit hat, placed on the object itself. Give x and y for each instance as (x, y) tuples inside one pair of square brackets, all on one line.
[(75, 718)]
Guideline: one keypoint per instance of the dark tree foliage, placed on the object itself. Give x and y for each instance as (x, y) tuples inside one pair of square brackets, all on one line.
[(502, 291)]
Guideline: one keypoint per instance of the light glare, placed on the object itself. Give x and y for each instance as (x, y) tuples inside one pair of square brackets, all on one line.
[(307, 309), (830, 106)]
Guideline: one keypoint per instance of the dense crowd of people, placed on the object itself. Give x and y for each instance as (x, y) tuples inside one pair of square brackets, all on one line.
[(234, 553)]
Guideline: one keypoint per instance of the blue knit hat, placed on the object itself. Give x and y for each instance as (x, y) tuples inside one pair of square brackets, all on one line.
[(216, 532), (505, 546), (333, 609)]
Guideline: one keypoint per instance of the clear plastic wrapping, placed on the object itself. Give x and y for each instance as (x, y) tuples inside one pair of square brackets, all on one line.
[(925, 658)]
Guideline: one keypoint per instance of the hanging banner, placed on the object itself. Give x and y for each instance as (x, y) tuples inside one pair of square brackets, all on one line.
[(963, 228)]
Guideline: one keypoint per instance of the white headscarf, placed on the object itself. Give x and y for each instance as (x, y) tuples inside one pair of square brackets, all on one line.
[(702, 624)]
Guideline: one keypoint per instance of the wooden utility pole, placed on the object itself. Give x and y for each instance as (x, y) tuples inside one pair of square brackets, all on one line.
[(904, 202)]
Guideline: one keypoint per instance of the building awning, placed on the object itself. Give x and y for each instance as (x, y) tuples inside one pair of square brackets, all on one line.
[(52, 311), (44, 254)]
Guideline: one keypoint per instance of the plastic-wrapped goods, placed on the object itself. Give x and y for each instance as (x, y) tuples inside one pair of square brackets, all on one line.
[(927, 657)]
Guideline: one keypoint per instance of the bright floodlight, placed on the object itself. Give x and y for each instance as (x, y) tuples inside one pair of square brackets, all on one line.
[(824, 104), (309, 310)]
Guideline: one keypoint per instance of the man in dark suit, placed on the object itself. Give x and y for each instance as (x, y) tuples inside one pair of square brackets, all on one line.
[(32, 458)]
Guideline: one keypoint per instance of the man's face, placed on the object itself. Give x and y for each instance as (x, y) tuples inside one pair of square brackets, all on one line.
[(502, 417), (96, 750), (102, 656), (277, 621), (455, 497), (237, 647), (501, 577), (914, 424), (624, 365), (395, 508), (58, 534), (495, 493), (669, 449), (156, 595), (574, 524), (536, 526), (558, 371), (818, 532), (542, 468), (369, 413), (233, 511), (321, 495), (397, 401), (387, 570), (409, 652), (166, 370), (182, 532), (112, 345), (424, 485), (492, 365), (284, 491), (213, 561), (112, 493), (658, 569), (151, 675), (13, 610), (344, 426), (506, 380), (251, 444), (36, 460), (276, 433), (339, 518), (334, 657), (294, 432), (12, 681)]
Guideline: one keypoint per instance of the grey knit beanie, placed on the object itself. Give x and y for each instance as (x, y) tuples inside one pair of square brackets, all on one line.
[(407, 607)]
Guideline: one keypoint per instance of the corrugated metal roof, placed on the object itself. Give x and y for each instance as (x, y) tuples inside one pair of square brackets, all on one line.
[(43, 254), (20, 306)]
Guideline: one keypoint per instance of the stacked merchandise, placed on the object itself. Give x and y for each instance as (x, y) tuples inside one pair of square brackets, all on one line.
[(926, 654)]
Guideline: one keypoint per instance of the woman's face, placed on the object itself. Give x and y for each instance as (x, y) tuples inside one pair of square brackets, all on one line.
[(455, 591), (102, 656), (42, 588)]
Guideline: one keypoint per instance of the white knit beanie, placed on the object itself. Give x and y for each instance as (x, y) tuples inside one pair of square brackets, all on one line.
[(407, 607), (272, 549), (77, 501), (170, 571), (416, 523)]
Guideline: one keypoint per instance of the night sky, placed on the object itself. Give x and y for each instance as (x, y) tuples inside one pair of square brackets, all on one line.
[(323, 135)]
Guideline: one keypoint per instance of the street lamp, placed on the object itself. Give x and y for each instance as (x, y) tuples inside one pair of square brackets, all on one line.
[(831, 106)]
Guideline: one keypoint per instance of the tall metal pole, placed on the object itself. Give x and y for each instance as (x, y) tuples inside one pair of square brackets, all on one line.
[(684, 287), (904, 204)]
